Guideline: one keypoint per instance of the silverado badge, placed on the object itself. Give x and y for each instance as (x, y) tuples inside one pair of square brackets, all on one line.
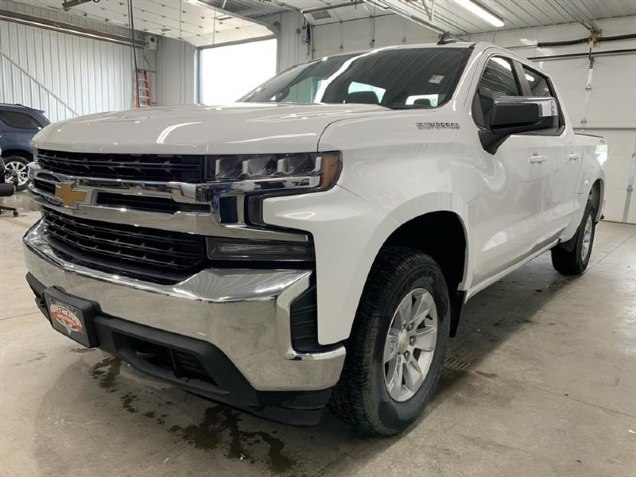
[(68, 195), (436, 125)]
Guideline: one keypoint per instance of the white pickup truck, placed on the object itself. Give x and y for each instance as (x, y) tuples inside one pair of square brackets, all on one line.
[(315, 242)]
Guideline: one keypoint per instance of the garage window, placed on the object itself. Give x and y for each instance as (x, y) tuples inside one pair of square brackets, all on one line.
[(228, 72)]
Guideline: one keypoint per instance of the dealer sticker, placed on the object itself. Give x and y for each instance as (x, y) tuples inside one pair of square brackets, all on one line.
[(66, 317)]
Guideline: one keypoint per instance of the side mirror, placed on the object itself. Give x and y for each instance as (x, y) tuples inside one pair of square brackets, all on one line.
[(518, 114)]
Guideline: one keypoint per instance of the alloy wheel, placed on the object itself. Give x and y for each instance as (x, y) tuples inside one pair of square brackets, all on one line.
[(587, 238), (410, 344), (20, 169)]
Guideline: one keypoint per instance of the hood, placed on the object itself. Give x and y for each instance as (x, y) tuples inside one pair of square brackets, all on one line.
[(240, 128)]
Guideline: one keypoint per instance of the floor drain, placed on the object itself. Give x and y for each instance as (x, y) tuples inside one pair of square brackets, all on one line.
[(456, 364)]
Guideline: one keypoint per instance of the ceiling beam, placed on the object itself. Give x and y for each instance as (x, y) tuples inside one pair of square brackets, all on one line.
[(333, 6), (68, 28), (395, 6), (571, 10)]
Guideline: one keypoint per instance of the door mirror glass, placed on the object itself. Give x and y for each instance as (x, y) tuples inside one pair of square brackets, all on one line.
[(518, 114)]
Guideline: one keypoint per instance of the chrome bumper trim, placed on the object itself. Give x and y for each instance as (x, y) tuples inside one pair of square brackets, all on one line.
[(245, 313)]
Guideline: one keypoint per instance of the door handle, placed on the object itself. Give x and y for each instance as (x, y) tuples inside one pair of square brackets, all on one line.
[(537, 159), (575, 156)]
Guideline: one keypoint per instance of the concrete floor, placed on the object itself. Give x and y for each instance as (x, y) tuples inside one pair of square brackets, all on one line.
[(541, 381)]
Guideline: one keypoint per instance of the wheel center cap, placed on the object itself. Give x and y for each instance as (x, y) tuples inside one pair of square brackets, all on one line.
[(403, 342)]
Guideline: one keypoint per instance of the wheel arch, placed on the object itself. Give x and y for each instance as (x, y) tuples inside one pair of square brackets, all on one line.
[(17, 152), (448, 246), (597, 194)]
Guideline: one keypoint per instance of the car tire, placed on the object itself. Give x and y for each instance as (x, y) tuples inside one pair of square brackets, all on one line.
[(372, 394), (573, 257), (18, 164)]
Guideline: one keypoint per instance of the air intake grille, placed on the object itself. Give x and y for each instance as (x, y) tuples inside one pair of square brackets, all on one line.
[(141, 167), (149, 254)]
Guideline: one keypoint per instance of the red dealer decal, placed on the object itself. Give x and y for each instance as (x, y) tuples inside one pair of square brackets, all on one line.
[(66, 317)]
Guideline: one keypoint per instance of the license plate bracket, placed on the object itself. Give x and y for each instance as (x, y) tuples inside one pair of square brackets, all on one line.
[(71, 316)]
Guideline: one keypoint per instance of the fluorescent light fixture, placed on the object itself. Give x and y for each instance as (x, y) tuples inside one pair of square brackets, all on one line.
[(476, 9)]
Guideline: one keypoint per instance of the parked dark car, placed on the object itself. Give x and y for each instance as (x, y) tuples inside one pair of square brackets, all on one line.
[(18, 125)]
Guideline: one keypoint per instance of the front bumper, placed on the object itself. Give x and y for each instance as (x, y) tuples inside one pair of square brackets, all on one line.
[(244, 314)]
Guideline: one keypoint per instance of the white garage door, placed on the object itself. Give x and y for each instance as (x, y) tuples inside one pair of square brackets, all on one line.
[(607, 109)]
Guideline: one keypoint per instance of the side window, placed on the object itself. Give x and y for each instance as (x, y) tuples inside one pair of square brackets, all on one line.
[(497, 80), (539, 86), (14, 119), (537, 83)]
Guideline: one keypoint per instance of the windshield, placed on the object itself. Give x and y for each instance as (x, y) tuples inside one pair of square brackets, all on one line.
[(394, 78)]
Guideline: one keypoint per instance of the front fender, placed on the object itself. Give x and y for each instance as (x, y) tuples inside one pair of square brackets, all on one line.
[(439, 202), (348, 233)]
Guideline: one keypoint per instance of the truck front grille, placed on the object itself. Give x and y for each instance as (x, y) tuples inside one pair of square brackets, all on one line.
[(148, 203), (149, 254), (134, 167)]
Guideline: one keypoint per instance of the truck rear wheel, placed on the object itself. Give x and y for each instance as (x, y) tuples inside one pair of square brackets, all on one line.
[(573, 259), (397, 346)]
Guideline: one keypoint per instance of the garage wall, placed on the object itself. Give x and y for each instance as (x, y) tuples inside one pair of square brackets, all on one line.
[(336, 38), (175, 72), (608, 108), (287, 27), (62, 74)]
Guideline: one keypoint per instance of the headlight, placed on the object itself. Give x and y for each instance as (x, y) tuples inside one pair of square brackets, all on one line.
[(250, 173), (242, 182)]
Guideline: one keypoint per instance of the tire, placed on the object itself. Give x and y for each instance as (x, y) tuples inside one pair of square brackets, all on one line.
[(573, 257), (364, 397), (18, 164)]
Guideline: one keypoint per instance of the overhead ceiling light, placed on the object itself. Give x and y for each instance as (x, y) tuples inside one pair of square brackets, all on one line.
[(476, 9)]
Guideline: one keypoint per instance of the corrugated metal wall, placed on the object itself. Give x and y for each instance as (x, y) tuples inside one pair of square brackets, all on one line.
[(64, 75)]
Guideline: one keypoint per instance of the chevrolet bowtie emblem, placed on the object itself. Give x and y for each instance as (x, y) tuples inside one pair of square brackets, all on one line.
[(69, 196)]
